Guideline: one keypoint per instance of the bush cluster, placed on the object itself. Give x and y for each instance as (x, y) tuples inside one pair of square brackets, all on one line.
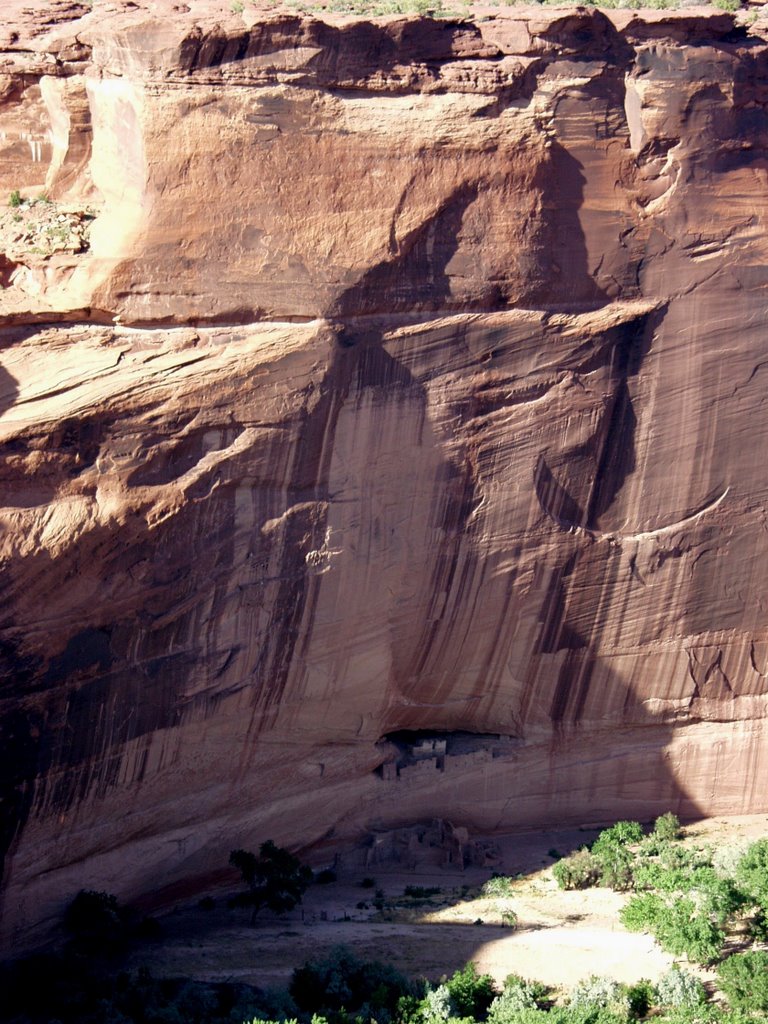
[(681, 896), (684, 897)]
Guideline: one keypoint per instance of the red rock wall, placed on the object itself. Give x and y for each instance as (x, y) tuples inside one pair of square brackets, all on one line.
[(413, 380)]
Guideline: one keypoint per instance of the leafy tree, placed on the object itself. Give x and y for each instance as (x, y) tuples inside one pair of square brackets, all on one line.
[(743, 979), (342, 984), (471, 993), (276, 879), (752, 872), (714, 895), (616, 868), (97, 923), (614, 859), (682, 929), (642, 912), (623, 833), (717, 896)]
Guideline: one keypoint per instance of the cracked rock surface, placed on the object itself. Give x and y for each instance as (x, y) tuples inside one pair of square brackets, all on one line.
[(382, 431)]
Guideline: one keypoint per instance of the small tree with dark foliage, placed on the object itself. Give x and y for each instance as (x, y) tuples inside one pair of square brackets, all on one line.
[(97, 923), (276, 879)]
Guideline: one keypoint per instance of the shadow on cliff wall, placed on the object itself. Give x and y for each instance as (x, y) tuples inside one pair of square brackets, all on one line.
[(566, 279), (18, 729), (93, 689), (582, 490), (9, 390), (574, 632), (416, 278)]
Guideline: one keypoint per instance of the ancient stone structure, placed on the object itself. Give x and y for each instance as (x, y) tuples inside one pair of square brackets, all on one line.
[(383, 378)]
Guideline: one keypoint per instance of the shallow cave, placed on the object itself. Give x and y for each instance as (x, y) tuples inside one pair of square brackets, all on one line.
[(414, 745)]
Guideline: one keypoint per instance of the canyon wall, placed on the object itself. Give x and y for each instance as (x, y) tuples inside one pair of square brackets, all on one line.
[(381, 405)]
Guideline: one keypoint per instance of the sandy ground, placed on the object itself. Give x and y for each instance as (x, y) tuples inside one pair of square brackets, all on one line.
[(560, 937)]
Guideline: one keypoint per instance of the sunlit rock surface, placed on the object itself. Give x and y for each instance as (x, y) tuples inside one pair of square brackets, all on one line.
[(392, 449)]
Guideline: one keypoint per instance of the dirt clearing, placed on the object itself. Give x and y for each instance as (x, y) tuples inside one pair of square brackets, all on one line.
[(559, 937)]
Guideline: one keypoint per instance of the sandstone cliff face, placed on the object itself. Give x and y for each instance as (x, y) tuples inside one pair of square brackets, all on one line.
[(407, 385)]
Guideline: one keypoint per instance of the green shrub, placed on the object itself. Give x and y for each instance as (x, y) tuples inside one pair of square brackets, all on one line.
[(471, 993), (409, 1010), (649, 874), (518, 994), (743, 979), (614, 859), (716, 896), (705, 1014), (682, 929), (616, 868), (580, 870), (676, 856), (712, 894), (679, 987), (583, 1013), (437, 1006), (667, 827), (758, 926), (642, 912), (752, 872), (601, 992), (623, 833), (498, 885), (15, 198), (641, 997), (342, 982)]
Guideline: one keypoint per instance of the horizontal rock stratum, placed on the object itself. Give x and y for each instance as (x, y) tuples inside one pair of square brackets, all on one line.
[(383, 420)]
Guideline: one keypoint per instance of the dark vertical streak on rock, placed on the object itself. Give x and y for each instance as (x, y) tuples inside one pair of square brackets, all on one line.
[(554, 498), (308, 484), (20, 731), (616, 459), (489, 666), (360, 364)]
